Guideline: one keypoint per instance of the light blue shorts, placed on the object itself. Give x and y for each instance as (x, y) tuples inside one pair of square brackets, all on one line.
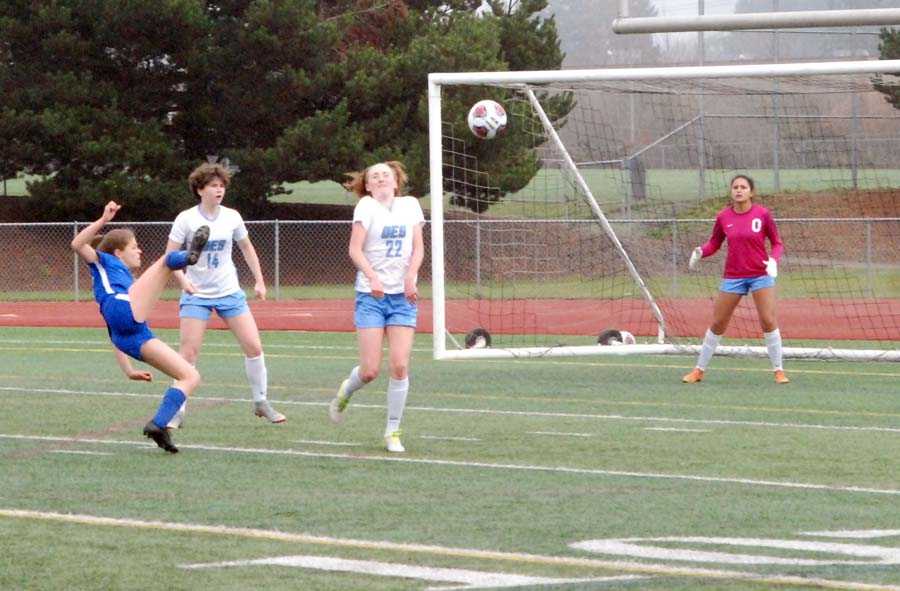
[(391, 310), (745, 285), (229, 306)]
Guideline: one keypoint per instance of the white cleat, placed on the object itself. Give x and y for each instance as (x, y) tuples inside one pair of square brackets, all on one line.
[(392, 442), (262, 408), (339, 404)]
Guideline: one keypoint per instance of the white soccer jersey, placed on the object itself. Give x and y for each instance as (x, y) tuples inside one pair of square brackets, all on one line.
[(214, 275), (389, 239)]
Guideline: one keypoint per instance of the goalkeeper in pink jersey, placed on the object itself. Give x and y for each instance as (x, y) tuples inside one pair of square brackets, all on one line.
[(748, 269)]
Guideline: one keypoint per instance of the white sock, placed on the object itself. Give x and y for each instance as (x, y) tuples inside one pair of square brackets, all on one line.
[(710, 342), (354, 382), (396, 402), (257, 376), (176, 421), (773, 346)]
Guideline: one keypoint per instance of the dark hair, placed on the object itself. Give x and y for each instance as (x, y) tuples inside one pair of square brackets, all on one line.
[(205, 174), (113, 240), (357, 182), (742, 176)]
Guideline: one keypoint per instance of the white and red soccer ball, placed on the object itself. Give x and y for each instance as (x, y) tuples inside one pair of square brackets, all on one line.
[(486, 119)]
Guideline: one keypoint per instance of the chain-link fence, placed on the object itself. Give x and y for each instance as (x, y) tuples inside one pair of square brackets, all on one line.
[(309, 260)]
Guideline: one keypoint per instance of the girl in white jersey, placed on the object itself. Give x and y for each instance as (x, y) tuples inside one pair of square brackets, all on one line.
[(212, 284), (387, 248)]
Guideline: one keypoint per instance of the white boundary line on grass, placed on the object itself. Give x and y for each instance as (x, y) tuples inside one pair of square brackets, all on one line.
[(446, 551), (521, 413), (551, 361), (470, 579), (487, 465)]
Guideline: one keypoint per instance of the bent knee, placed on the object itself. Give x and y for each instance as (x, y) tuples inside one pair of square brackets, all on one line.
[(190, 380), (368, 374)]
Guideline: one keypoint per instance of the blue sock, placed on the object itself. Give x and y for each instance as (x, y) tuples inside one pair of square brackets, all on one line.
[(177, 259), (171, 402)]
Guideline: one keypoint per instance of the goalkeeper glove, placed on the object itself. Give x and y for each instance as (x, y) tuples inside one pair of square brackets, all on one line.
[(696, 255), (771, 267)]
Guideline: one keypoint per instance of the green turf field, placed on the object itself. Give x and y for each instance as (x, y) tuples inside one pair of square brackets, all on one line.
[(509, 464)]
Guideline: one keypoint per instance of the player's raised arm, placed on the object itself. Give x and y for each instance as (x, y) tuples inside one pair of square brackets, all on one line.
[(82, 241)]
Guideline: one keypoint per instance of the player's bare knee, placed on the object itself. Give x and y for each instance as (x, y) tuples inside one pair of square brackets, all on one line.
[(768, 324), (253, 351), (189, 352), (190, 379), (367, 374), (400, 371)]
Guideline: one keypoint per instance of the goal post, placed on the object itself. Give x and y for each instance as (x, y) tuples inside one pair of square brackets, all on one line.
[(624, 170)]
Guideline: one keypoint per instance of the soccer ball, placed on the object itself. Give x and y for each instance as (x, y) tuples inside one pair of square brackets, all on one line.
[(615, 338), (486, 119)]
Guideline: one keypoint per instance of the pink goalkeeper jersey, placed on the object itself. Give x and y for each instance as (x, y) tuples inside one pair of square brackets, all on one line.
[(746, 234)]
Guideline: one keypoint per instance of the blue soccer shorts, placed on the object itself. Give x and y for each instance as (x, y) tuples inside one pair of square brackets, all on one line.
[(228, 306), (745, 285), (391, 310), (126, 333)]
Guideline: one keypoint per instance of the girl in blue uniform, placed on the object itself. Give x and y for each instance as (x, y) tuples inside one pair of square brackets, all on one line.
[(125, 304)]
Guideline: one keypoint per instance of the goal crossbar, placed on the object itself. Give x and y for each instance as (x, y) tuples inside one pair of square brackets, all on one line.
[(437, 79)]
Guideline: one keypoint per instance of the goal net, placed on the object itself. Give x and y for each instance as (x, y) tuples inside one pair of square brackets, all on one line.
[(580, 219)]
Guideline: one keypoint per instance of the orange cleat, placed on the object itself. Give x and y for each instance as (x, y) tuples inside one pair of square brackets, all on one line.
[(695, 376), (780, 378)]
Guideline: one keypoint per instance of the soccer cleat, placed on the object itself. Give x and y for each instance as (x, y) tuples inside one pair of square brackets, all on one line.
[(160, 436), (780, 378), (339, 404), (695, 376), (201, 236), (392, 442), (262, 408)]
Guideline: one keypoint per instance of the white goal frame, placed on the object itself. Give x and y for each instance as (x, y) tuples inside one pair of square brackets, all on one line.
[(436, 181)]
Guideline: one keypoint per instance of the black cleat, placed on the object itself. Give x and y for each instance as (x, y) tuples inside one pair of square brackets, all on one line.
[(201, 236), (160, 436)]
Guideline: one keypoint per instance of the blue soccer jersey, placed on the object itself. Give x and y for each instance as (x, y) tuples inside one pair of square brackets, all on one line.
[(110, 275)]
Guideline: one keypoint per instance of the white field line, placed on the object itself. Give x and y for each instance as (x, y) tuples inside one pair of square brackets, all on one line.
[(676, 430), (490, 412), (484, 465), (470, 579), (335, 443), (231, 345), (446, 551), (80, 452), (561, 433), (855, 534), (548, 361), (448, 438)]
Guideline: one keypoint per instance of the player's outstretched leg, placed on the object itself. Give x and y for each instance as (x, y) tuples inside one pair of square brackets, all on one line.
[(145, 292), (179, 259)]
